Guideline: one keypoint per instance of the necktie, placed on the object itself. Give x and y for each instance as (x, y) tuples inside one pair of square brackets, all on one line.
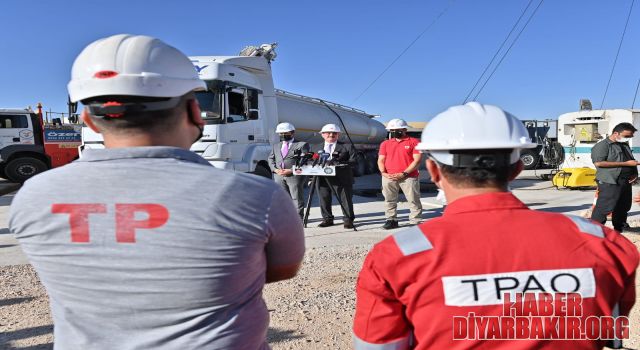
[(329, 149), (283, 152)]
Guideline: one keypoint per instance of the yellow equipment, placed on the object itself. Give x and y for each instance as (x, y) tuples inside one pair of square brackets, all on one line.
[(575, 178)]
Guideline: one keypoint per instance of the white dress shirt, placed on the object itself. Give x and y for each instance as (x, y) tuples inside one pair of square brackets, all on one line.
[(329, 148)]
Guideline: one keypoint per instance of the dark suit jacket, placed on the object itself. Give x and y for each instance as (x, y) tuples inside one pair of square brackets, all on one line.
[(346, 157)]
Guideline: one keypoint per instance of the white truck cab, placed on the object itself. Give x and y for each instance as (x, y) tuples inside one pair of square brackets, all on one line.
[(240, 112), (16, 128), (22, 152)]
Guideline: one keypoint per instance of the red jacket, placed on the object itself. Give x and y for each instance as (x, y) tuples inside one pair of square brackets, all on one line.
[(414, 282)]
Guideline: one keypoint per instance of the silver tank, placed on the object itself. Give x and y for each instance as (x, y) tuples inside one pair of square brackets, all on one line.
[(309, 114)]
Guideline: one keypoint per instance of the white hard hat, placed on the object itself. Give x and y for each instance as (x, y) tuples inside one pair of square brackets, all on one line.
[(284, 127), (132, 65), (330, 128), (398, 123), (474, 127)]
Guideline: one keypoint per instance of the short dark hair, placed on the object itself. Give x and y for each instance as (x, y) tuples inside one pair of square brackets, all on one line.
[(478, 177), (152, 121), (624, 127)]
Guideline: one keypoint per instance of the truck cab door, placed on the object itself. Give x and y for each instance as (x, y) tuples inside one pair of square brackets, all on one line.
[(15, 129), (242, 117)]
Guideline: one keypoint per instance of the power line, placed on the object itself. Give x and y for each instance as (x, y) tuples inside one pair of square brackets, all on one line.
[(617, 54), (509, 49), (403, 51), (635, 95), (497, 52)]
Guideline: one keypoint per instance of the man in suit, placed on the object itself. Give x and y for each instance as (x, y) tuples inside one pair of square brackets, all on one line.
[(344, 155), (281, 162)]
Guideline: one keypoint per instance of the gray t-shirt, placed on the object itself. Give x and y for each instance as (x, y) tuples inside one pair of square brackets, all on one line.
[(609, 151), (153, 248)]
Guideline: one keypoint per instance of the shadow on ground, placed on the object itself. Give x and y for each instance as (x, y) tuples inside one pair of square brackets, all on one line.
[(7, 337), (7, 302), (275, 335), (565, 209)]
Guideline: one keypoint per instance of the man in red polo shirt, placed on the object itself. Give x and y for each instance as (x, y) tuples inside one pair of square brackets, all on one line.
[(458, 281), (398, 162)]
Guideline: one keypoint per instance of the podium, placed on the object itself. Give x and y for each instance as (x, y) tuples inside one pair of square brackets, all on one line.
[(322, 173)]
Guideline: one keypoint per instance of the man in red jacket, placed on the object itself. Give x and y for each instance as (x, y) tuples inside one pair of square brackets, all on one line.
[(491, 273)]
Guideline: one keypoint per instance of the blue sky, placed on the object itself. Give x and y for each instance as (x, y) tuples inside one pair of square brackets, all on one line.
[(334, 49)]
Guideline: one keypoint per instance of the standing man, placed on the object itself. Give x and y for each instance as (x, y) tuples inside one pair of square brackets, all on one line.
[(487, 247), (398, 162), (344, 155), (616, 171), (152, 247), (281, 161)]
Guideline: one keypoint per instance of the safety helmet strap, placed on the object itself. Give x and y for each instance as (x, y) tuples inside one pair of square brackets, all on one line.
[(484, 159), (115, 109)]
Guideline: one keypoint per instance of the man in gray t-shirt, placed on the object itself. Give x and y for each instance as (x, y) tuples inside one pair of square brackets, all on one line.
[(616, 171), (147, 246)]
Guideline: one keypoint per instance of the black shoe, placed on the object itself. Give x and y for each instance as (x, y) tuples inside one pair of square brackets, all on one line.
[(348, 224), (390, 224), (326, 223)]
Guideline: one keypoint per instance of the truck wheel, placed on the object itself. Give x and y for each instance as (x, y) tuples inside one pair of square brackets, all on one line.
[(360, 167), (263, 171), (21, 169), (529, 158), (372, 163), (2, 173)]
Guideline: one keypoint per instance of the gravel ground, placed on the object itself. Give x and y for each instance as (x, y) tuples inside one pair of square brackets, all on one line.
[(312, 311), (25, 322), (315, 309)]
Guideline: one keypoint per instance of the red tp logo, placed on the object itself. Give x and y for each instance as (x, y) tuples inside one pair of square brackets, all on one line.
[(126, 224)]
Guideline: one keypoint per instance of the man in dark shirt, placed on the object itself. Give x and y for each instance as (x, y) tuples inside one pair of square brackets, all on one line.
[(616, 170)]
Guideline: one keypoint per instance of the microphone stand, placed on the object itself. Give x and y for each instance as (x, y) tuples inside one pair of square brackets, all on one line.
[(314, 180)]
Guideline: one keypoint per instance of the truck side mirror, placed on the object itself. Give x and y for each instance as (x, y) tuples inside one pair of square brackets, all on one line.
[(253, 114)]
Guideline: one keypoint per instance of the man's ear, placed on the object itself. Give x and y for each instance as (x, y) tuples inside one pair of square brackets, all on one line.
[(434, 171), (517, 171), (195, 115), (87, 120)]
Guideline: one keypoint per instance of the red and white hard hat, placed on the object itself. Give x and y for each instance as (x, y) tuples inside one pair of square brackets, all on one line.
[(395, 124), (284, 127), (330, 128), (474, 127), (132, 65)]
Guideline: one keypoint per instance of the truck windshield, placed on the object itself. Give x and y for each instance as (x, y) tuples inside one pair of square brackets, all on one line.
[(211, 106)]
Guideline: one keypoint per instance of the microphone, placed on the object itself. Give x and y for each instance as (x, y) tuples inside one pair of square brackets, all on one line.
[(316, 158), (334, 158), (305, 159), (325, 159), (297, 155)]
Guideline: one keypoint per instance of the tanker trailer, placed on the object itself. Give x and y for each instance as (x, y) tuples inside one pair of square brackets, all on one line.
[(310, 114)]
